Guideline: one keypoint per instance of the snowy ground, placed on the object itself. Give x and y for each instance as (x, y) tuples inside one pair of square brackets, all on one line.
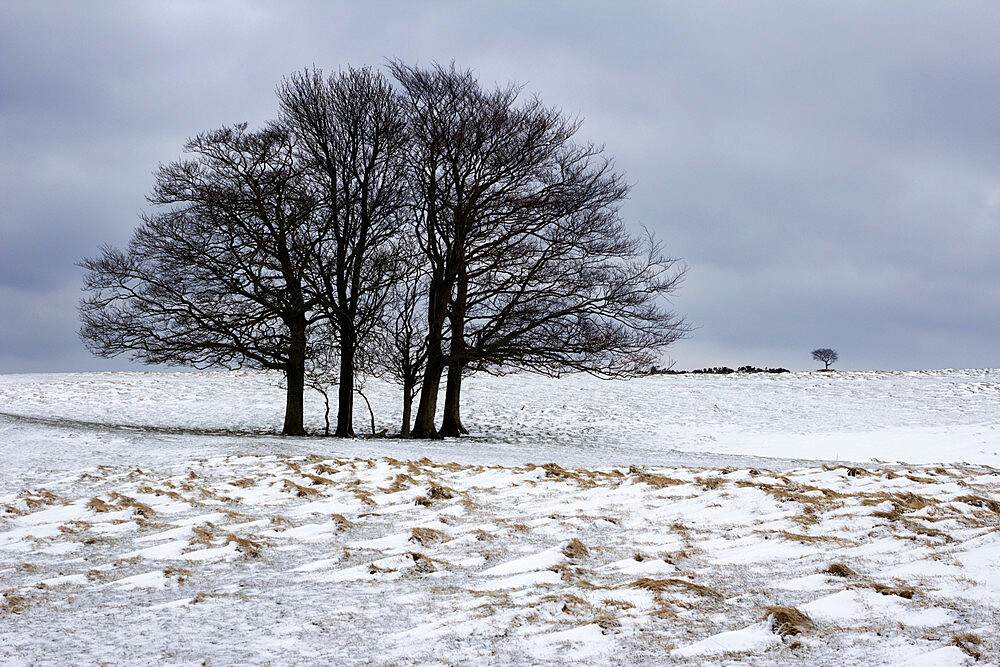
[(147, 518)]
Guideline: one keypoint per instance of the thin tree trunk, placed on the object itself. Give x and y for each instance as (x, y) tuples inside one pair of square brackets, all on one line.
[(326, 413), (370, 411), (404, 431), (295, 376)]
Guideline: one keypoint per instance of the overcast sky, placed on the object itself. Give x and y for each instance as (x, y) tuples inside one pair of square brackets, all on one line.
[(830, 172)]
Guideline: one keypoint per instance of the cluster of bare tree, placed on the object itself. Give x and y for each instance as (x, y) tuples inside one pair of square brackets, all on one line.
[(419, 231)]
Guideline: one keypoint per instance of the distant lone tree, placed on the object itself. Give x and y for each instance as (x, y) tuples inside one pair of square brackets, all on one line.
[(826, 355)]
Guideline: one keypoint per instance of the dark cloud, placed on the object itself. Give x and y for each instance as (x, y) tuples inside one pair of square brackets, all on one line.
[(831, 173)]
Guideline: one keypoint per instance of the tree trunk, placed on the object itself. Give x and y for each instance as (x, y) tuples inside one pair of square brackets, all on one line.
[(345, 390), (371, 412), (404, 430), (295, 376), (326, 413), (437, 306), (423, 425), (451, 425)]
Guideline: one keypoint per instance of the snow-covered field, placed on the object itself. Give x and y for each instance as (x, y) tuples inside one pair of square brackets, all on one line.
[(673, 519)]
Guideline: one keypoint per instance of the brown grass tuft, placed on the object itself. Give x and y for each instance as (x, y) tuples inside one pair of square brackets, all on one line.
[(839, 570), (656, 481), (95, 504), (968, 643), (123, 501), (569, 603), (13, 603), (40, 498), (364, 497), (803, 539), (281, 522), (426, 536), (149, 490), (400, 483), (96, 574), (244, 483), (906, 592), (317, 479), (575, 549), (618, 604), (979, 501), (177, 572), (438, 492), (661, 585), (324, 469), (787, 621), (301, 491), (607, 623), (245, 545), (203, 534)]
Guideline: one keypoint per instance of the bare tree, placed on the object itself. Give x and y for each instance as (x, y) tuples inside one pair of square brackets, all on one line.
[(529, 264), (352, 139), (218, 275), (826, 355), (403, 351)]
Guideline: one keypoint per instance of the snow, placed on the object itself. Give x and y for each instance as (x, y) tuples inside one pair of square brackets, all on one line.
[(946, 656), (149, 518), (751, 639)]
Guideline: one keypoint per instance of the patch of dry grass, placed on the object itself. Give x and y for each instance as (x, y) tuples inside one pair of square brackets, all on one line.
[(439, 492), (95, 504), (425, 536), (13, 603), (662, 585), (100, 574), (301, 491), (799, 537), (160, 492), (969, 643), (979, 501), (902, 502), (656, 481), (906, 592), (123, 501), (787, 621), (400, 483), (839, 570), (203, 534), (575, 549), (245, 545), (568, 603), (325, 469), (74, 527)]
